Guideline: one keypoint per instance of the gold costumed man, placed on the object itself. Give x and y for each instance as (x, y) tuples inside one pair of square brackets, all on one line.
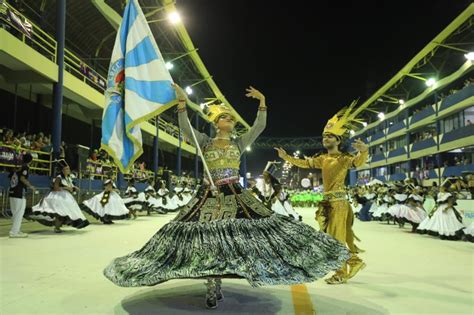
[(334, 213)]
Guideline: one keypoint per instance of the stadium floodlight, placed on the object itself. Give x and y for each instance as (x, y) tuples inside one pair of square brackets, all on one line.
[(189, 90), (174, 17), (381, 116), (470, 56), (430, 82)]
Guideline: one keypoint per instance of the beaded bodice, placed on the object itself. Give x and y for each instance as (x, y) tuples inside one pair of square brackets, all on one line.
[(223, 162)]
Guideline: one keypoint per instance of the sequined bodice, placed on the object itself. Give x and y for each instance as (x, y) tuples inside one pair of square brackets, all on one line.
[(223, 162)]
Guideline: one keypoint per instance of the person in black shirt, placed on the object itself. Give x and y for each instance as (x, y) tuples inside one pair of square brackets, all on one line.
[(18, 184)]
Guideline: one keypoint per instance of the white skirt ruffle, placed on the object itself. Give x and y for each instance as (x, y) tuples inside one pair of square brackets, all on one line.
[(443, 223), (411, 214), (381, 210), (59, 204), (115, 208)]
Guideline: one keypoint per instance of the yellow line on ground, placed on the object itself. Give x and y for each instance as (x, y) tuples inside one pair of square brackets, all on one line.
[(301, 300)]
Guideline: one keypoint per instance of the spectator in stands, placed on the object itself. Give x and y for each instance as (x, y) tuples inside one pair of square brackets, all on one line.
[(456, 161), (9, 138), (18, 184), (23, 142), (93, 155), (28, 141), (47, 147), (38, 143)]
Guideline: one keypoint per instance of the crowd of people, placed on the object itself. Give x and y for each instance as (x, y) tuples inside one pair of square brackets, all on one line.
[(64, 203), (13, 145), (429, 210)]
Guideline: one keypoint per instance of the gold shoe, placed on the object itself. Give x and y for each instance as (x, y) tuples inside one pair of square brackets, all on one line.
[(356, 268), (336, 279)]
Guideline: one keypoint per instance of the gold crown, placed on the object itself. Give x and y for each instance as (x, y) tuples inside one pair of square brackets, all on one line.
[(214, 111), (343, 121)]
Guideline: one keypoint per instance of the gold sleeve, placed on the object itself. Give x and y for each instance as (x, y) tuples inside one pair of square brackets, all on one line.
[(359, 159), (304, 163)]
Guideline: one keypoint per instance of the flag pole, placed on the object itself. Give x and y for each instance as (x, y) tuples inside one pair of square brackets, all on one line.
[(213, 186)]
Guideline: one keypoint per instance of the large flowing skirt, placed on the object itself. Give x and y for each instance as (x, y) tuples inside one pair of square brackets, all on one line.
[(114, 209), (414, 215), (230, 234), (59, 204), (444, 222)]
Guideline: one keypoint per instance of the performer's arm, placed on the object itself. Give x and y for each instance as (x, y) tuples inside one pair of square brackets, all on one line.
[(27, 183), (259, 124), (183, 120), (363, 152), (57, 184), (307, 162)]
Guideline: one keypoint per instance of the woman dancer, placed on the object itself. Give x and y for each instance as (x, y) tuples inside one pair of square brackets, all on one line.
[(107, 205), (225, 231), (59, 207)]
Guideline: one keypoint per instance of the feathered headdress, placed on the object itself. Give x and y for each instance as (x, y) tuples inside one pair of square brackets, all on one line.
[(343, 121)]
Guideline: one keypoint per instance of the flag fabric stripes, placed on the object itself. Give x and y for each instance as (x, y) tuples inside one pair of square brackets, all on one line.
[(138, 88)]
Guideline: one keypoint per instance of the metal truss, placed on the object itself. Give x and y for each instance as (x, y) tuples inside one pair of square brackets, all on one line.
[(301, 143)]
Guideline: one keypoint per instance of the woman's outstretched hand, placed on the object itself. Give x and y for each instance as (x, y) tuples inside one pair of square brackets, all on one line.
[(180, 94), (281, 153), (254, 93)]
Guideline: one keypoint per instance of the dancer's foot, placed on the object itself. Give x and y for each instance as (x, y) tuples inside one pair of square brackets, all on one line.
[(211, 297), (219, 294), (336, 279), (354, 269)]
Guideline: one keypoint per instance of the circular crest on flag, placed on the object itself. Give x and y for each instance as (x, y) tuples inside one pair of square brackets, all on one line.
[(116, 77)]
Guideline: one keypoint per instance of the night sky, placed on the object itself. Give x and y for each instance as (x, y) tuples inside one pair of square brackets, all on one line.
[(309, 63)]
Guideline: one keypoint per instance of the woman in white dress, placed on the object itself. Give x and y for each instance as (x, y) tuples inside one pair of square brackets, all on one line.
[(394, 210), (107, 205), (444, 221), (133, 200), (59, 207), (383, 201), (413, 212), (186, 195), (169, 204), (153, 201)]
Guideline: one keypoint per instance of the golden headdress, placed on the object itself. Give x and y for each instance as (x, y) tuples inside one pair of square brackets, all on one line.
[(214, 111), (343, 121)]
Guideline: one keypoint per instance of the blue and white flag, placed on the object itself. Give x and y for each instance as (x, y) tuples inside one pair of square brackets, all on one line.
[(138, 88)]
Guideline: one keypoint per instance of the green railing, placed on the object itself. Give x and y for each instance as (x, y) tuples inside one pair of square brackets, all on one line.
[(46, 45), (36, 39), (170, 129), (41, 160)]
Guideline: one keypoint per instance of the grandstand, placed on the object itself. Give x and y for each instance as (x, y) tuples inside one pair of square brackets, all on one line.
[(421, 123), (29, 58)]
